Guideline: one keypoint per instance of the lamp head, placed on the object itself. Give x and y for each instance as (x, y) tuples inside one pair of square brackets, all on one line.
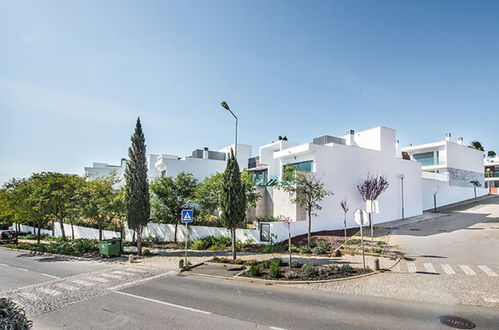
[(225, 105)]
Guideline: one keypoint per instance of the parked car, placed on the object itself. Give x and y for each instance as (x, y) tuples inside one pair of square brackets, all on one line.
[(8, 236)]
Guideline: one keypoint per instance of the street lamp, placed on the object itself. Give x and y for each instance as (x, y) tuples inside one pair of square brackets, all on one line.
[(401, 176), (226, 107)]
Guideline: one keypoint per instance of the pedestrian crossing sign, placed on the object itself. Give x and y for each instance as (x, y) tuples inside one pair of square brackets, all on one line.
[(186, 216)]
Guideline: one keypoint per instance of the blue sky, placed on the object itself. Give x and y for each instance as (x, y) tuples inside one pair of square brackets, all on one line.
[(74, 75)]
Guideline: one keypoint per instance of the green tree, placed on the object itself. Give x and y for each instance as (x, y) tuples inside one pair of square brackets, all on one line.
[(173, 195), (491, 154), (477, 145), (307, 191), (137, 199), (208, 192), (232, 199), (102, 202)]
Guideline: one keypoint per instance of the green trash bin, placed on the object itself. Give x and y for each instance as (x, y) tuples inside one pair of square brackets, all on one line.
[(110, 247)]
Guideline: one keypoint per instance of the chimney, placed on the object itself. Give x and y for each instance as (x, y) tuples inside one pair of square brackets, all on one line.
[(447, 137), (123, 162), (349, 141), (460, 141), (205, 153)]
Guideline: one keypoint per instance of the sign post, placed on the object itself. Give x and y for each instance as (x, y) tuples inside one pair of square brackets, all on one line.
[(372, 207), (186, 218), (360, 217)]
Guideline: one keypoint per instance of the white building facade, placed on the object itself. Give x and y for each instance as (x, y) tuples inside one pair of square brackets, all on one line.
[(491, 166)]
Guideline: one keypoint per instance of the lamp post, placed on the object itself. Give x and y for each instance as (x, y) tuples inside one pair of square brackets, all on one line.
[(226, 107), (401, 176)]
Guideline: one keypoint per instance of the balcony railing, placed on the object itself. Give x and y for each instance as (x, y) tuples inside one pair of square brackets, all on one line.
[(430, 162), (492, 174), (263, 179)]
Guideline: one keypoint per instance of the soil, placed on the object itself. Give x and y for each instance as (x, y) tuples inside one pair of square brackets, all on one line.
[(299, 276), (334, 237)]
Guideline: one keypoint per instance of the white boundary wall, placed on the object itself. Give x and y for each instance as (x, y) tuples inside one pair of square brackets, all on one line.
[(80, 232), (447, 194)]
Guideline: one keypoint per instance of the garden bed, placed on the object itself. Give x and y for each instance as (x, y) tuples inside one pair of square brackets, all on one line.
[(78, 247)]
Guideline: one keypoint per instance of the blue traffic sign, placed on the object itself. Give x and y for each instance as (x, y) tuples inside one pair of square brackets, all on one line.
[(186, 216)]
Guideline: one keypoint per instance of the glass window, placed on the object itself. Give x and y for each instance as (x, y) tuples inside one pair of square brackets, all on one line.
[(301, 166)]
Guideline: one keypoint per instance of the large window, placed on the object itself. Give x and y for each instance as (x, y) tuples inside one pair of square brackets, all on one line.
[(425, 158), (301, 166)]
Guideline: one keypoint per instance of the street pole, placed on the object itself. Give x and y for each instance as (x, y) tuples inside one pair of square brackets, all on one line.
[(226, 107), (186, 241), (402, 183), (362, 241)]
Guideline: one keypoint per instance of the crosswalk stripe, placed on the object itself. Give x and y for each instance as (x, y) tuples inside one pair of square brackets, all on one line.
[(487, 270), (122, 272), (49, 291), (467, 270), (82, 282), (448, 269), (66, 286), (136, 270), (111, 276), (429, 268), (28, 295), (97, 279), (411, 267)]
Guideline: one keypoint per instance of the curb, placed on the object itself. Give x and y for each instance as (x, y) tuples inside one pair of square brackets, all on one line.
[(56, 255)]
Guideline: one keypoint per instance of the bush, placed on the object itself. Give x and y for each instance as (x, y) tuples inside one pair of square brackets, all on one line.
[(200, 244), (265, 264), (308, 269), (295, 264), (290, 275), (322, 248), (214, 243), (276, 261), (146, 252), (293, 248), (269, 248), (346, 268), (251, 262), (274, 270), (12, 316), (255, 270), (304, 249), (268, 219), (239, 261)]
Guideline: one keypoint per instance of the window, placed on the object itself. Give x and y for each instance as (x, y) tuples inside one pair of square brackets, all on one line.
[(301, 166)]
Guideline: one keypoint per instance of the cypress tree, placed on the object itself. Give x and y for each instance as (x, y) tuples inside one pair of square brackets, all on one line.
[(137, 187), (232, 199)]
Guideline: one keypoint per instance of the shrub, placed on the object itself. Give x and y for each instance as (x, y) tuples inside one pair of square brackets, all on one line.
[(12, 316), (324, 271), (200, 244), (276, 261), (268, 219), (290, 275), (239, 261), (308, 269), (268, 249), (255, 270), (146, 252), (313, 245), (304, 249), (265, 264), (224, 260), (216, 258), (295, 264), (322, 248), (346, 268), (274, 270), (251, 262)]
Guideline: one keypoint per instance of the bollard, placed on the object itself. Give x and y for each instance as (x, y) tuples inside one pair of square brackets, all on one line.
[(376, 264), (181, 264), (131, 258)]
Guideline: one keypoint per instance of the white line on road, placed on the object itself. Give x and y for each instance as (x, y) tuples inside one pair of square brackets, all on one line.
[(491, 300), (276, 328), (53, 276), (122, 273), (97, 279), (165, 303), (66, 286), (429, 268), (5, 265), (467, 270), (23, 269), (448, 269), (82, 282), (411, 267), (121, 286), (111, 276), (487, 270), (49, 291)]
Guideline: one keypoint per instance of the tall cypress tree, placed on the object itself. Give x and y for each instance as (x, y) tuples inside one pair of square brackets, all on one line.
[(232, 199), (137, 188)]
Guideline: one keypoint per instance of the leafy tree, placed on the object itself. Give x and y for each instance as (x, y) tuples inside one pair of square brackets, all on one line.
[(307, 191), (232, 199), (475, 184), (137, 188), (477, 145), (174, 194), (491, 154), (101, 201), (208, 192)]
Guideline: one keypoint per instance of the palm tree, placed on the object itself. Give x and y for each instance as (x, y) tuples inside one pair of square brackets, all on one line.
[(477, 145), (475, 184), (491, 154)]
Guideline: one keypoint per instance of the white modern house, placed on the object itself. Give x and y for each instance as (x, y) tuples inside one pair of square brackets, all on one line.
[(491, 166), (341, 163), (447, 169), (201, 163)]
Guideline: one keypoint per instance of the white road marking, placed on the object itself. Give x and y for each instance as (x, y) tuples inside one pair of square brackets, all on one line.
[(66, 286), (97, 279), (467, 270), (429, 268), (411, 267), (276, 328), (448, 269), (135, 270), (53, 276), (111, 276), (5, 265), (142, 280), (49, 291), (487, 270), (28, 295), (491, 300), (23, 269), (122, 272), (82, 282), (165, 303)]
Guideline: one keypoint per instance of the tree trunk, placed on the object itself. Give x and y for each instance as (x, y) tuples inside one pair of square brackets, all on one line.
[(63, 233), (34, 226), (99, 224), (233, 234), (53, 229), (139, 240), (175, 234), (345, 226), (39, 232), (289, 245), (72, 229), (309, 226), (474, 191)]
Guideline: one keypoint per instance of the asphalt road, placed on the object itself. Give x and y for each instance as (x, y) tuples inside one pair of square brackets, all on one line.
[(21, 269), (195, 302)]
